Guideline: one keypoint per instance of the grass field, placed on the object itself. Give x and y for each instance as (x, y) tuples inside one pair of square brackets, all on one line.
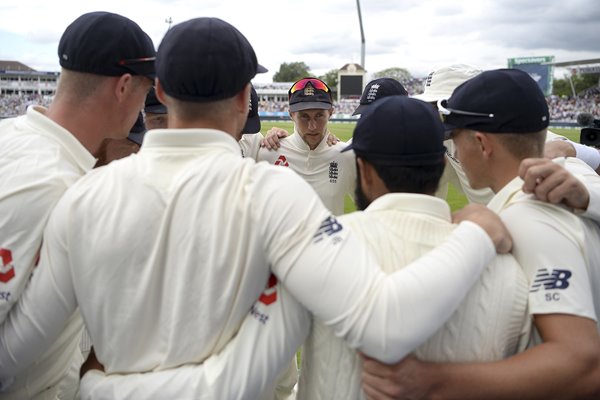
[(344, 130)]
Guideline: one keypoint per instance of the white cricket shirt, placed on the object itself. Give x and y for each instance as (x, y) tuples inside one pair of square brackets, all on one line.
[(488, 325), (39, 160), (331, 173), (557, 249)]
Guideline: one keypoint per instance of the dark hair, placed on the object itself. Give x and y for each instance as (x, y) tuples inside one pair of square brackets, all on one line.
[(423, 179)]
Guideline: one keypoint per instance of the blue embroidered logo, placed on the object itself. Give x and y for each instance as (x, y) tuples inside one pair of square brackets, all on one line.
[(328, 227), (557, 279)]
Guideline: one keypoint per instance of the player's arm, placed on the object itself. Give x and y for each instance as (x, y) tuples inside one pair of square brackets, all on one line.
[(242, 370), (567, 181), (43, 309), (330, 272), (271, 140), (563, 147), (543, 372)]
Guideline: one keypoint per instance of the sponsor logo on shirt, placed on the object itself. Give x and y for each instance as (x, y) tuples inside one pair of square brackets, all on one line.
[(7, 271), (333, 172), (329, 227), (269, 296), (282, 161), (5, 296), (557, 279)]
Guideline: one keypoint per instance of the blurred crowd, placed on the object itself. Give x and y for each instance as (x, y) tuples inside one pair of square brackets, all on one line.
[(562, 108)]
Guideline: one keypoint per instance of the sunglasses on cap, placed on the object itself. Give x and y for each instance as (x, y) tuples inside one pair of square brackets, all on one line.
[(316, 83), (441, 104)]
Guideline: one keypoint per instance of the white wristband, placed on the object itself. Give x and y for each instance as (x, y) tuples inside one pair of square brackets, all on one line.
[(587, 154)]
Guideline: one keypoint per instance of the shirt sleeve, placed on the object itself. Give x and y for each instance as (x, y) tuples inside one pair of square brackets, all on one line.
[(44, 308), (331, 273), (591, 180), (550, 248), (266, 341)]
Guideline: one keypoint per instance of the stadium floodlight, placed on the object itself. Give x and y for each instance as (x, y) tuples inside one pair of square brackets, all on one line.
[(362, 36)]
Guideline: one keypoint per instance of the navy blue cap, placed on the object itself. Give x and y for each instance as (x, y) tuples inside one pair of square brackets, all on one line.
[(377, 89), (310, 94), (107, 44), (398, 130), (497, 101), (253, 121), (205, 59), (137, 131), (153, 105)]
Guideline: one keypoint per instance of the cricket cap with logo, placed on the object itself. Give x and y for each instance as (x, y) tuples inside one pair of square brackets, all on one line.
[(398, 130), (377, 89), (441, 83), (108, 44), (253, 121), (497, 101), (310, 94), (205, 60)]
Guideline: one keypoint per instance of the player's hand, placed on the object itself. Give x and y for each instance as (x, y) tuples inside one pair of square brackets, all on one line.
[(271, 141), (90, 363), (404, 380), (552, 183), (332, 139), (559, 148), (489, 221)]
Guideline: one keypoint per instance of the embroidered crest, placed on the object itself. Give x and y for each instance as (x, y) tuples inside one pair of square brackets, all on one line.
[(309, 90)]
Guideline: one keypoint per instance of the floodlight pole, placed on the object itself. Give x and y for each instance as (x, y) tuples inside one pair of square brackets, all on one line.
[(362, 35), (169, 21)]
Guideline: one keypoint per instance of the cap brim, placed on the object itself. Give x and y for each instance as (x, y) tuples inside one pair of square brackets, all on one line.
[(310, 105), (146, 68), (260, 69), (360, 109), (252, 125), (428, 97), (137, 137), (156, 109)]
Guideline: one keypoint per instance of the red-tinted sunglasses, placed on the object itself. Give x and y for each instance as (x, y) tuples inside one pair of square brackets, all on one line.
[(316, 83)]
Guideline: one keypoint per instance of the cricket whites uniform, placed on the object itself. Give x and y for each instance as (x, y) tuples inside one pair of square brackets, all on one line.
[(490, 324), (557, 249), (175, 242), (39, 160), (332, 174), (250, 144)]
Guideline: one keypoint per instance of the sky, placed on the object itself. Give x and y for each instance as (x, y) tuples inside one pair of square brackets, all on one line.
[(419, 35)]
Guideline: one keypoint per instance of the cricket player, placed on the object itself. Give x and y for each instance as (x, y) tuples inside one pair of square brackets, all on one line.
[(331, 173), (498, 119), (107, 64), (187, 245)]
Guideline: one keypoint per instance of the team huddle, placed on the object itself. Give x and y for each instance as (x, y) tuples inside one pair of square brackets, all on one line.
[(198, 257)]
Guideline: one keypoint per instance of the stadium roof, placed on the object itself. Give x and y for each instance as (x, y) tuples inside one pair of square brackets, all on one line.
[(14, 66), (574, 63)]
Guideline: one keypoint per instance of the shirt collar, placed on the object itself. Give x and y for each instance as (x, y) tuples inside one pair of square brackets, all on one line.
[(190, 139), (36, 117), (413, 203), (505, 195)]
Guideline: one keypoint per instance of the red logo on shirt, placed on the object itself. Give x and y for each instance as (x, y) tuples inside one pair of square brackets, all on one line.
[(269, 296), (282, 161), (7, 271)]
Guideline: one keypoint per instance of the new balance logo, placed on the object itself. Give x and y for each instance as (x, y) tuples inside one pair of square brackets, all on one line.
[(557, 279), (328, 227)]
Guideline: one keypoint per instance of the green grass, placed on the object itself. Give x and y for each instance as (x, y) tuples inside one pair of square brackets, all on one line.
[(455, 198)]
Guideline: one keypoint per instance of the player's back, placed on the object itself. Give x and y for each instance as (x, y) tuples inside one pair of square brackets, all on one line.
[(488, 325), (167, 251)]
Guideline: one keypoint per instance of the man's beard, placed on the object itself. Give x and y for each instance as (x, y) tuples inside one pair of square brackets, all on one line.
[(362, 202)]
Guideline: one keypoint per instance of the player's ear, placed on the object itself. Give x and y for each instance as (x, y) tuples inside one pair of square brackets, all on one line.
[(366, 173)]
